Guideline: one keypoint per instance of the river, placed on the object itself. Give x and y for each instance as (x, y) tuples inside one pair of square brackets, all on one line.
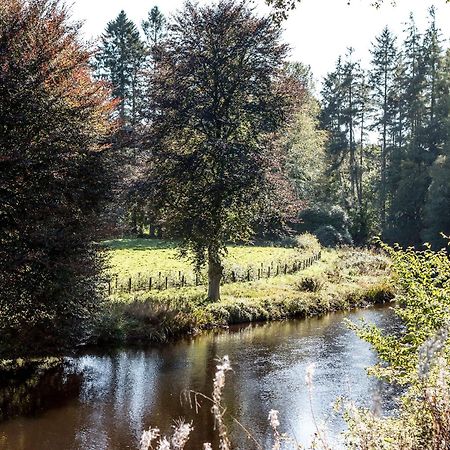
[(104, 401)]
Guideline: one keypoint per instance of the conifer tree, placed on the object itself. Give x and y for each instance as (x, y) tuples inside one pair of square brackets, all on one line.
[(382, 81), (119, 59), (343, 98), (413, 180), (437, 206), (154, 27)]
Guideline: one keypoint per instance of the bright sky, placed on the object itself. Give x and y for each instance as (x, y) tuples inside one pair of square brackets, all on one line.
[(318, 31)]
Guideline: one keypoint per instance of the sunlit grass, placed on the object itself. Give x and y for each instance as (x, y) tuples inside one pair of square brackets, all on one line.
[(343, 283), (128, 257)]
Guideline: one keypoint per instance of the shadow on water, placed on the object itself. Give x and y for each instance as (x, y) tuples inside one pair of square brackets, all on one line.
[(38, 391), (104, 401)]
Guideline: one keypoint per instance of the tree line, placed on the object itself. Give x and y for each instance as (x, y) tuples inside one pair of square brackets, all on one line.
[(368, 157), (388, 148)]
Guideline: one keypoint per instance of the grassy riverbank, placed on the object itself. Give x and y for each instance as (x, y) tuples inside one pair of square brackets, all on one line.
[(343, 279)]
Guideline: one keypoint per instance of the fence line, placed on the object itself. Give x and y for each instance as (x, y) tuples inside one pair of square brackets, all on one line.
[(162, 281)]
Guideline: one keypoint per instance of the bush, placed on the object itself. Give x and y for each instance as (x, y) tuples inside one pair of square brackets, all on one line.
[(416, 356), (329, 236), (310, 285), (307, 242), (329, 223), (423, 306)]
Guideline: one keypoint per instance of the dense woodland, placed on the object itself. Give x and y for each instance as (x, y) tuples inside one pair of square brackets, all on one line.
[(366, 156)]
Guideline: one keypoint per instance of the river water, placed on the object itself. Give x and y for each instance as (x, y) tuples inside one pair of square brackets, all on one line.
[(104, 401)]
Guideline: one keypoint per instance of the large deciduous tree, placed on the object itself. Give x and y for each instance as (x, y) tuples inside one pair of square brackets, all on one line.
[(54, 120), (216, 101)]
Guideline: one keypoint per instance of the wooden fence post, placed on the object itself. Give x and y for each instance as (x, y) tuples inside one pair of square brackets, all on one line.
[(150, 284), (109, 287), (167, 282), (129, 285)]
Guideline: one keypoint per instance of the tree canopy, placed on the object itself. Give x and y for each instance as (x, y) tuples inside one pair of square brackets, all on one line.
[(53, 177), (215, 102)]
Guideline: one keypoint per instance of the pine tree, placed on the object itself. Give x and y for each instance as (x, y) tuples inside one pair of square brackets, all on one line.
[(154, 27), (343, 98), (434, 127), (332, 120), (437, 207), (382, 82), (406, 209), (119, 59), (425, 130)]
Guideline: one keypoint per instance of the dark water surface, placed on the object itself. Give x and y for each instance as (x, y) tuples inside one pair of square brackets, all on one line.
[(105, 401)]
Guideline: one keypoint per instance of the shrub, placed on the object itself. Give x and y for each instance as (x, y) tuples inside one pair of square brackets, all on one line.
[(329, 236), (423, 306), (307, 242), (310, 284), (329, 223), (416, 356)]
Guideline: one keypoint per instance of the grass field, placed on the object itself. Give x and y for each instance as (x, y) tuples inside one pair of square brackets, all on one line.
[(342, 279), (128, 257)]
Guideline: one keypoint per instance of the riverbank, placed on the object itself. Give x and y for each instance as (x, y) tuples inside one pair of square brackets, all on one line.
[(343, 279)]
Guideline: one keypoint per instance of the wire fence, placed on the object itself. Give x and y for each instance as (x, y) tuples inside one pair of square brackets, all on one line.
[(146, 282)]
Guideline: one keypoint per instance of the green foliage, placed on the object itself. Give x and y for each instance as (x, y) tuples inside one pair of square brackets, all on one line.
[(438, 223), (423, 306), (53, 179), (403, 98), (216, 102), (310, 284), (119, 59), (307, 242), (328, 224), (304, 142), (155, 26)]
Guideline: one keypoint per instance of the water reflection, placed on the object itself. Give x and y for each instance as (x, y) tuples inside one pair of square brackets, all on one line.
[(120, 394)]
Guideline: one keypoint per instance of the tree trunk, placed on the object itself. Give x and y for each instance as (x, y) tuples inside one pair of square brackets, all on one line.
[(215, 271)]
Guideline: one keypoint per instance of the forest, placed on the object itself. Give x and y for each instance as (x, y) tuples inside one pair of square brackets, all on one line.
[(180, 194), (367, 156)]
